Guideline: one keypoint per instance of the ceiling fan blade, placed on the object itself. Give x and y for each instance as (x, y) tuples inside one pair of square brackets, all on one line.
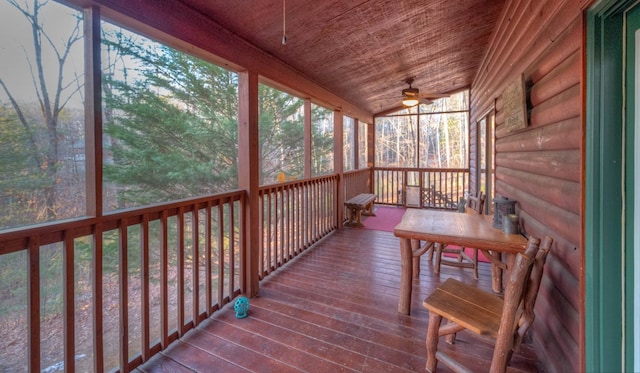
[(433, 95), (425, 101)]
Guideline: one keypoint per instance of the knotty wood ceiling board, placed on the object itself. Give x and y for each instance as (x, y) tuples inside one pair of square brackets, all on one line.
[(363, 50)]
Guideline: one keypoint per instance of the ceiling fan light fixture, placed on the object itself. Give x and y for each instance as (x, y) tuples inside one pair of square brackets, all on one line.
[(410, 95), (409, 101)]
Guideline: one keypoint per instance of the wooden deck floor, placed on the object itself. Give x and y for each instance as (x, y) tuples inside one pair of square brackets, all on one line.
[(333, 309)]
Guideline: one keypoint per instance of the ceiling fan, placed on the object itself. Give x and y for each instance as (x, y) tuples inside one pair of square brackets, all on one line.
[(411, 96)]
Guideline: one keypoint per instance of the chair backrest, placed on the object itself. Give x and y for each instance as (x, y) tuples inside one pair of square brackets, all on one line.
[(531, 290), (512, 310), (475, 204), (519, 300)]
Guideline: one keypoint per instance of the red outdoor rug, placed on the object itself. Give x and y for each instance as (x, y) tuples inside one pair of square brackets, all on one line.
[(388, 217), (468, 251), (385, 220)]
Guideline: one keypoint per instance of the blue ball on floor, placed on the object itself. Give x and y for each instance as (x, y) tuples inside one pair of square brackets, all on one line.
[(241, 307)]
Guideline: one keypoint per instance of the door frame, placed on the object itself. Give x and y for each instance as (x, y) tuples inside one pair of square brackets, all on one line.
[(489, 155), (609, 334)]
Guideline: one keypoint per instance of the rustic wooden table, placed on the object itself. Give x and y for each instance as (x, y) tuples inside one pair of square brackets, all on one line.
[(453, 228)]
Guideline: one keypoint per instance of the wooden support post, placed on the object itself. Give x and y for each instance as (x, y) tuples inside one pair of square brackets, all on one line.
[(338, 165), (248, 179)]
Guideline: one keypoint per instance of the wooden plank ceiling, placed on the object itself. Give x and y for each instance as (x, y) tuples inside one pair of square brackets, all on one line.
[(364, 50)]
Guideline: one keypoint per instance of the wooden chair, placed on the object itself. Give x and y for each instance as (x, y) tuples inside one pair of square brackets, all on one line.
[(475, 205), (467, 307)]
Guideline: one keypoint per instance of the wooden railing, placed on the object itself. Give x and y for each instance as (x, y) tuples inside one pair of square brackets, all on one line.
[(295, 215), (117, 289), (435, 187), (356, 182)]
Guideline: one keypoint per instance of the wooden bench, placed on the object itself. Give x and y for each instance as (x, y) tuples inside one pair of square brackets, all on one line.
[(356, 205)]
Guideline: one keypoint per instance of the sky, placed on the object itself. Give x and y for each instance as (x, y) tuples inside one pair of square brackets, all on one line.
[(16, 48)]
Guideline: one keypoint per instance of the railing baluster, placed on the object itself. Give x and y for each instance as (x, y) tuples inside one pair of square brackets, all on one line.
[(123, 249), (144, 272), (181, 272), (195, 264), (207, 255), (164, 279), (261, 240), (33, 284), (221, 271), (97, 286), (232, 252), (69, 301), (287, 222), (269, 239), (278, 212), (296, 219)]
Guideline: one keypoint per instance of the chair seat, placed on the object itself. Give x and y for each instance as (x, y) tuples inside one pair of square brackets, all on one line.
[(467, 306), (504, 320)]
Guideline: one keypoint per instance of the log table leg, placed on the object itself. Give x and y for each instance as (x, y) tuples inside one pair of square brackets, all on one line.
[(497, 268), (406, 257)]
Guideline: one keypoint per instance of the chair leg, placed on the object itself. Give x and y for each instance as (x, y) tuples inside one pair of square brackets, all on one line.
[(475, 264), (438, 250), (432, 340)]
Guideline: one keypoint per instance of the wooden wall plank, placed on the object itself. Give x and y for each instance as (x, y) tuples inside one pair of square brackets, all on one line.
[(563, 135), (550, 27), (563, 46), (563, 288), (564, 250), (562, 164), (562, 356), (559, 192), (561, 221), (561, 78), (516, 29), (561, 107)]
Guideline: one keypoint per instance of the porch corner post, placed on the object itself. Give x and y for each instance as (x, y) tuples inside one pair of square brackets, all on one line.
[(371, 154), (93, 112), (307, 139), (248, 179), (338, 165)]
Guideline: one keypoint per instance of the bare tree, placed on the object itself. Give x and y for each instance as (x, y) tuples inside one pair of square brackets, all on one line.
[(51, 99)]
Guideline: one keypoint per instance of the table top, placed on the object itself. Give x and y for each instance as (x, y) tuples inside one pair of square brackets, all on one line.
[(456, 228)]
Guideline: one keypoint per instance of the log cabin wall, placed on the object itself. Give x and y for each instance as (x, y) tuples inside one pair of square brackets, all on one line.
[(540, 166)]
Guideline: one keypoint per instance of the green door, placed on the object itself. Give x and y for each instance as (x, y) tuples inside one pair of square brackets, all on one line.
[(632, 184), (612, 215)]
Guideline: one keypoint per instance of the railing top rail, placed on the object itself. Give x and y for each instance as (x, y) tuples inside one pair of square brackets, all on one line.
[(421, 169), (358, 171), (300, 182), (15, 239)]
